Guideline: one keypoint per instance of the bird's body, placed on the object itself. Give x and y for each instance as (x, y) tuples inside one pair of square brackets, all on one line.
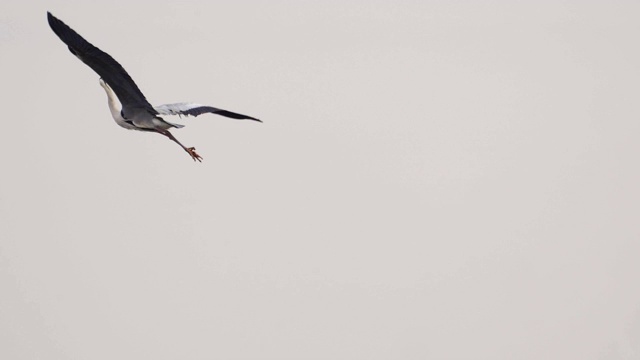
[(116, 113), (128, 105)]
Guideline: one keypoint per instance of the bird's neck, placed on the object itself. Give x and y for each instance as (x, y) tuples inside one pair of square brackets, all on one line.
[(115, 107), (114, 103)]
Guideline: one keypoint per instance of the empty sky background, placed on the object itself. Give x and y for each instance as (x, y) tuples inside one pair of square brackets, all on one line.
[(433, 180)]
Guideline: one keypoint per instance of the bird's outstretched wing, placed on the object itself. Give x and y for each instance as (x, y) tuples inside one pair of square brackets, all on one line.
[(102, 63), (191, 109)]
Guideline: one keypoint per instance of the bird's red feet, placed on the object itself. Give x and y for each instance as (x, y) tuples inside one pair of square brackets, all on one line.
[(194, 154)]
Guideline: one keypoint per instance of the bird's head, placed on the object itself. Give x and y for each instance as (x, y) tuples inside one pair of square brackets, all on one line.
[(103, 84), (108, 90)]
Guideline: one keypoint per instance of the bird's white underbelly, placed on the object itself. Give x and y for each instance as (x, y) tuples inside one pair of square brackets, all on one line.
[(150, 124)]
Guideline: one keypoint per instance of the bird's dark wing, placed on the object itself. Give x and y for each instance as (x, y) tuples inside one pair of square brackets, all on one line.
[(107, 67), (190, 109)]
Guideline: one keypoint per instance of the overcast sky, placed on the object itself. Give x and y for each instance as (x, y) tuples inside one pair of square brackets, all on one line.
[(432, 180)]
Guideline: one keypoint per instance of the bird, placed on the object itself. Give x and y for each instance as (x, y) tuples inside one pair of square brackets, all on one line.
[(127, 104)]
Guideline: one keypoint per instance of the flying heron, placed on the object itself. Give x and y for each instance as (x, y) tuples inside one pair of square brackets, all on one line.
[(134, 111)]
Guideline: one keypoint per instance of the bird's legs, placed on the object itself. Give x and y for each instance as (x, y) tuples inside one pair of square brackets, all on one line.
[(191, 151)]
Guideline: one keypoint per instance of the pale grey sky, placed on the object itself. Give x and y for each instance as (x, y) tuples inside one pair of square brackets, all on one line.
[(433, 180)]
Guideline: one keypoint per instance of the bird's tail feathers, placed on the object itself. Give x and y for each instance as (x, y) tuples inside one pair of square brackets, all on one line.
[(177, 126)]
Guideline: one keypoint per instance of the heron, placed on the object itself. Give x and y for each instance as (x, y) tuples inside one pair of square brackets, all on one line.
[(128, 105)]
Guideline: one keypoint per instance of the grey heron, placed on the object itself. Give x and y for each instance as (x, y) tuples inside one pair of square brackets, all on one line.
[(129, 107)]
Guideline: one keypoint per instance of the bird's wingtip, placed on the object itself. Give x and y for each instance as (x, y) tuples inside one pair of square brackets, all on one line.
[(52, 19), (251, 118)]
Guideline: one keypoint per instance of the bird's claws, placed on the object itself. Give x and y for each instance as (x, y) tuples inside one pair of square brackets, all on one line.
[(194, 154)]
